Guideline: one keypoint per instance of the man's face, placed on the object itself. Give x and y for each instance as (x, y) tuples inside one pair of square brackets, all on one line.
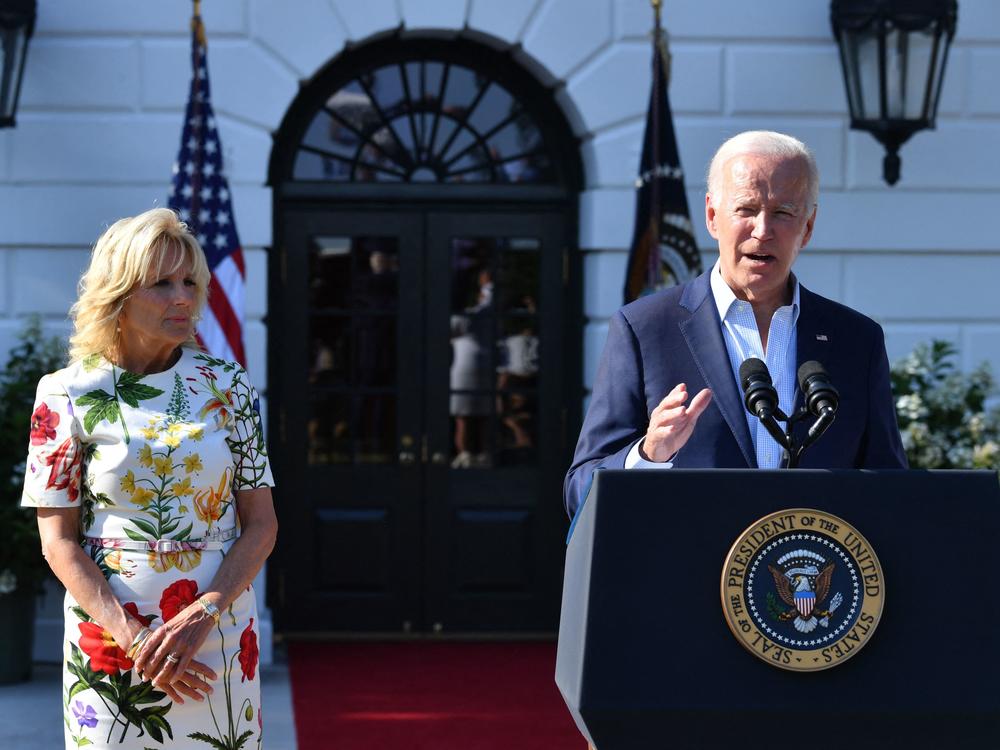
[(761, 219)]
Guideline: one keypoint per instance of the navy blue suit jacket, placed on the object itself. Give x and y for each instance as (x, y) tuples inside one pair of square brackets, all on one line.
[(675, 336)]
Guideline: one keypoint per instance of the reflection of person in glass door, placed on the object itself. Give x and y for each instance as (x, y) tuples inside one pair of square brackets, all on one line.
[(376, 293), (470, 371), (515, 377)]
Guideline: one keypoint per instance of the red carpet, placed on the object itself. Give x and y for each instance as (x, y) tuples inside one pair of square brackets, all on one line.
[(429, 696)]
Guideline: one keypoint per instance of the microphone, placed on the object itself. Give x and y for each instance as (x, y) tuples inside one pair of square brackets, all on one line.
[(819, 393), (821, 399), (759, 395), (761, 399)]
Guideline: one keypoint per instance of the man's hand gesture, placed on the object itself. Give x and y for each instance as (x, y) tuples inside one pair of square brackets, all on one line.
[(671, 423)]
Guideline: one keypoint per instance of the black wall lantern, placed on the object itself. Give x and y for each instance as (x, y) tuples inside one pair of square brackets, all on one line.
[(893, 53), (17, 21)]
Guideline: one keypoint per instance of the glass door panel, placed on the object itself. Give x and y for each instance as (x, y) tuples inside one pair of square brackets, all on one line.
[(495, 389), (494, 340), (349, 362), (354, 304)]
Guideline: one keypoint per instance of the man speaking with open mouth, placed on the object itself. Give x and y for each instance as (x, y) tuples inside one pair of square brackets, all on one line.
[(667, 392)]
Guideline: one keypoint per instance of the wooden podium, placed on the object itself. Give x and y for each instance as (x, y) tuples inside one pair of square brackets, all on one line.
[(646, 659)]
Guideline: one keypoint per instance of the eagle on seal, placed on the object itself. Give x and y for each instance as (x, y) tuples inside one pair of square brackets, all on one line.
[(797, 590)]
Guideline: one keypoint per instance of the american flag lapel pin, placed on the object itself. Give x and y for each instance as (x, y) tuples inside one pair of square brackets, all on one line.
[(821, 337)]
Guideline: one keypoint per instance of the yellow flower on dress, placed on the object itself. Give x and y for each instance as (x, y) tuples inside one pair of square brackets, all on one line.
[(113, 560), (184, 561), (142, 496), (197, 433), (171, 441), (150, 433), (128, 482), (163, 466), (192, 463), (208, 503), (175, 428), (146, 455), (182, 487)]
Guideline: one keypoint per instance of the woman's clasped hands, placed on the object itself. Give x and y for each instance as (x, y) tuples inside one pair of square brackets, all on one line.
[(165, 657)]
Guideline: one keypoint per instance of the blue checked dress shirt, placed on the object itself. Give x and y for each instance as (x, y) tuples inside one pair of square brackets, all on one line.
[(739, 331)]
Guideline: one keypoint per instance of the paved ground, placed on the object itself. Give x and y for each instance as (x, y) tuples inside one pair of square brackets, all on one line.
[(31, 714)]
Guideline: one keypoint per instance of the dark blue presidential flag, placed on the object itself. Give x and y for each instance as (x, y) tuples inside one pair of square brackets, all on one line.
[(663, 251), (199, 193)]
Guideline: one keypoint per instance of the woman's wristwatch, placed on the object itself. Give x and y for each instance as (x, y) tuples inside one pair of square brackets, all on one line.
[(210, 609)]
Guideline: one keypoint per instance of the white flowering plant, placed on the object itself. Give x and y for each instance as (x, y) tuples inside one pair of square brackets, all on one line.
[(22, 568), (943, 414)]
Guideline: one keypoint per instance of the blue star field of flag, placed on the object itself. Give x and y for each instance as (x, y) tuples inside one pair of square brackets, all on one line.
[(199, 191)]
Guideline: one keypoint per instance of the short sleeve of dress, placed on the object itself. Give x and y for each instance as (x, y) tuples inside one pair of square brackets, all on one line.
[(52, 470), (246, 441)]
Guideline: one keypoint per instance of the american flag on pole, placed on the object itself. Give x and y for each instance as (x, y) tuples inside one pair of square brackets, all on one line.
[(199, 193)]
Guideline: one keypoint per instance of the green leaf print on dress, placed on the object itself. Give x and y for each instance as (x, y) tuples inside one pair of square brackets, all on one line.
[(105, 406), (239, 406), (178, 409)]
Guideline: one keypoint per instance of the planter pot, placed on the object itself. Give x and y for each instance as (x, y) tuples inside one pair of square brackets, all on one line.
[(17, 634)]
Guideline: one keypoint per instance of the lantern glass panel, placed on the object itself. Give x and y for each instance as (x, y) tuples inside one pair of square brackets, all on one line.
[(907, 63), (862, 59), (12, 43), (939, 54)]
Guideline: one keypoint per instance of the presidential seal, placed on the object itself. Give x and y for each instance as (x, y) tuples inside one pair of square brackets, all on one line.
[(802, 590)]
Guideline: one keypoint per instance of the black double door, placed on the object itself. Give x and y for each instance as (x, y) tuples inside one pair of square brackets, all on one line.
[(422, 380)]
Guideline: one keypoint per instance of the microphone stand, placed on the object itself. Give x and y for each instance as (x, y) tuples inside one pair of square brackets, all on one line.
[(793, 450)]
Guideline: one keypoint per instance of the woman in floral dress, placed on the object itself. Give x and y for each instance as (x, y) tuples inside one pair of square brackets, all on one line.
[(148, 468)]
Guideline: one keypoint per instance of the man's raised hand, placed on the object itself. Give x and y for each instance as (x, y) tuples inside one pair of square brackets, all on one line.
[(671, 423)]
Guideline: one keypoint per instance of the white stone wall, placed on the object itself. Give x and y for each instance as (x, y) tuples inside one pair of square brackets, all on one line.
[(101, 108)]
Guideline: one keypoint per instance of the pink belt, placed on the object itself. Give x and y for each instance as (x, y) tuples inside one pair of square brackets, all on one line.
[(213, 541)]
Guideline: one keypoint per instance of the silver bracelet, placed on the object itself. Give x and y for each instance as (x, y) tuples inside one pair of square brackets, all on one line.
[(137, 642)]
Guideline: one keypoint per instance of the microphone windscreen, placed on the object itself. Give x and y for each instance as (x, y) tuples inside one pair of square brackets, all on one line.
[(808, 370), (753, 369)]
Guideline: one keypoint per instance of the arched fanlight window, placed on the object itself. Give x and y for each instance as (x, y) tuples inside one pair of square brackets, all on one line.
[(424, 119)]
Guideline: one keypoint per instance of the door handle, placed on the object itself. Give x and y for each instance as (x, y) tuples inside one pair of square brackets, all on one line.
[(407, 456)]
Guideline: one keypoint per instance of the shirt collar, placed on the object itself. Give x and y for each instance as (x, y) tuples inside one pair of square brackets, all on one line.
[(725, 297)]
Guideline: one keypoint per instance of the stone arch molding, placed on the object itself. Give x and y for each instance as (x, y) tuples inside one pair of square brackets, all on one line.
[(296, 44)]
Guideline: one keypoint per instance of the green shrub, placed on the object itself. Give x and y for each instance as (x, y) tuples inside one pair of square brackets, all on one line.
[(943, 415), (21, 565)]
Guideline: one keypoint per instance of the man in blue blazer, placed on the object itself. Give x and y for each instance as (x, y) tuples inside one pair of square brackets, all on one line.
[(761, 208)]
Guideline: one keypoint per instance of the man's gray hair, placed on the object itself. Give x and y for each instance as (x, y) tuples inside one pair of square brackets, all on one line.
[(764, 143)]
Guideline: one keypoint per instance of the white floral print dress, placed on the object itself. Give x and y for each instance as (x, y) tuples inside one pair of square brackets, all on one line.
[(146, 458)]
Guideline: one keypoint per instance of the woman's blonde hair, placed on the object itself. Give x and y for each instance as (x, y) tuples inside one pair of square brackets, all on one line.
[(132, 252)]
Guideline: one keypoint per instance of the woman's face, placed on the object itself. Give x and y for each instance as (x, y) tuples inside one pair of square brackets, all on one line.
[(160, 315)]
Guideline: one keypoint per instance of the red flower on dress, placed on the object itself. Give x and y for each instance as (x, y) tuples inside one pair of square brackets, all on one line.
[(249, 652), (177, 596), (65, 473), (43, 424), (105, 655), (133, 610)]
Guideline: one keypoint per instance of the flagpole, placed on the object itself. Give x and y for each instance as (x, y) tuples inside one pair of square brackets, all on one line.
[(196, 25), (654, 256)]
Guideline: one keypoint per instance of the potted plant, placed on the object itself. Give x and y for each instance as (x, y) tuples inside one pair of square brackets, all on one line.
[(943, 414), (22, 568)]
